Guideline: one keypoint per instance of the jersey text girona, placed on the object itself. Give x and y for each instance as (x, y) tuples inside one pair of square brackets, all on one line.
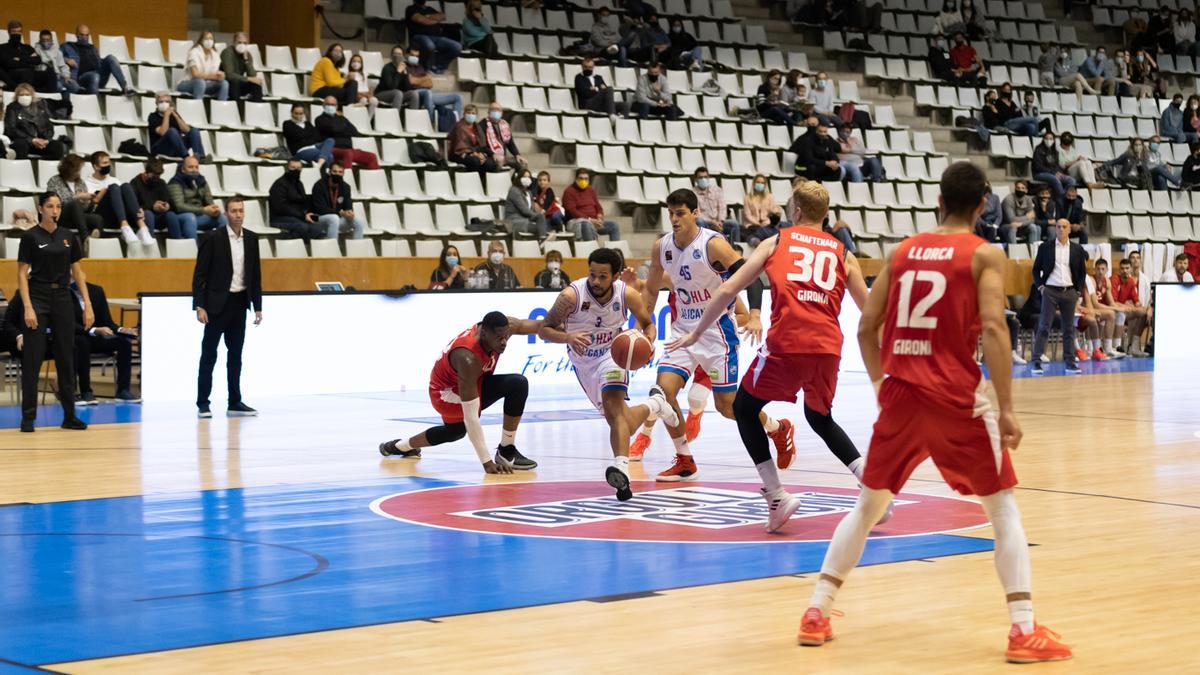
[(932, 324), (444, 376), (807, 270)]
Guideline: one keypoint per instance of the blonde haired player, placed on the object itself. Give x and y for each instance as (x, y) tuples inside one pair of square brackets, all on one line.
[(935, 293)]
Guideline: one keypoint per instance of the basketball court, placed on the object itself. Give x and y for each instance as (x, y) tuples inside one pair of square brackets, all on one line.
[(156, 542)]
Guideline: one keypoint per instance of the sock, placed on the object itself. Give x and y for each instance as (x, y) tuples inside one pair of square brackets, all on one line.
[(1020, 612), (769, 475), (404, 445), (681, 446), (770, 424), (507, 437), (697, 399), (856, 468), (823, 595), (622, 463), (1108, 344)]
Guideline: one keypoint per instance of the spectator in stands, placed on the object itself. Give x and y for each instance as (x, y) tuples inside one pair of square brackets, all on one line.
[(354, 72), (1159, 34), (170, 135), (965, 63), (333, 204), (646, 39), (1170, 126), (1191, 115), (714, 214), (154, 199), (395, 85), (304, 141), (841, 230), (1124, 69), (192, 200), (769, 101), (500, 274), (1048, 169), (1019, 216), (77, 203), (683, 50), (1059, 273), (290, 205), (1045, 64), (115, 203), (1131, 310), (822, 100), (238, 66), (1011, 117), (52, 59), (1031, 109), (327, 80), (20, 63), (950, 20), (1066, 74), (332, 124), (653, 95), (761, 214), (518, 207), (1079, 166), (426, 33), (1178, 274), (497, 137), (1161, 173), (854, 160), (204, 71), (449, 105), (104, 337), (973, 20), (28, 127), (88, 68), (605, 37), (449, 273), (1131, 169), (465, 145), (793, 90), (1184, 32), (591, 92), (544, 202), (1099, 72), (939, 61), (477, 31), (1145, 76), (553, 277), (1071, 210), (987, 225), (817, 153), (584, 214), (1190, 178), (1047, 212)]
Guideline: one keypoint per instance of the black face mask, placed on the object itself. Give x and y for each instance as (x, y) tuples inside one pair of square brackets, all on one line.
[(1176, 104), (105, 170), (1020, 193), (15, 38), (293, 174), (336, 180), (587, 72), (1006, 95), (652, 78)]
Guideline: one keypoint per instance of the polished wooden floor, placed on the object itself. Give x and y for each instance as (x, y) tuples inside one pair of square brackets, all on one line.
[(1110, 470)]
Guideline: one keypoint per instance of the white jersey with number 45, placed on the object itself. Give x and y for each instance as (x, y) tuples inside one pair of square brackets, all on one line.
[(693, 278)]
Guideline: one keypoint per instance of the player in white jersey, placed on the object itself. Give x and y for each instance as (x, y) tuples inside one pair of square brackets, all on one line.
[(696, 261), (587, 316)]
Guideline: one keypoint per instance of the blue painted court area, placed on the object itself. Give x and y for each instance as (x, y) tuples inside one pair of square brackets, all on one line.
[(106, 577)]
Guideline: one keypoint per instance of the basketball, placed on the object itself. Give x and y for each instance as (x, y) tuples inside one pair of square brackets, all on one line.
[(631, 350)]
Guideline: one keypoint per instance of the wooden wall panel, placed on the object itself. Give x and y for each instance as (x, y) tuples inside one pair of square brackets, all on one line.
[(233, 15), (146, 18), (285, 22)]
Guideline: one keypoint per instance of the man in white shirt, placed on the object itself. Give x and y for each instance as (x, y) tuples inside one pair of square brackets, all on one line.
[(1059, 271), (1179, 272)]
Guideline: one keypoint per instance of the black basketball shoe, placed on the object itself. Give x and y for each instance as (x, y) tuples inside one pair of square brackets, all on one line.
[(512, 457), (389, 449), (620, 481)]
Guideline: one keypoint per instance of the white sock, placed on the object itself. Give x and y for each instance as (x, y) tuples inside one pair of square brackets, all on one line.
[(1020, 612), (1108, 344), (507, 437), (823, 595), (622, 463), (769, 475), (681, 446), (1012, 554), (770, 424), (697, 398), (856, 468)]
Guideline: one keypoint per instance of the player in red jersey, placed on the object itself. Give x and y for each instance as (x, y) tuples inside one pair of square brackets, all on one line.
[(937, 291), (810, 272), (462, 384)]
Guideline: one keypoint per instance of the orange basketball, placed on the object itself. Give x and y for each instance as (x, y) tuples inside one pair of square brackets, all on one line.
[(631, 350)]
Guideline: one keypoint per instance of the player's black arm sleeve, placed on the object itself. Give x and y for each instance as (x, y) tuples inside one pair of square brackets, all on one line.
[(754, 291)]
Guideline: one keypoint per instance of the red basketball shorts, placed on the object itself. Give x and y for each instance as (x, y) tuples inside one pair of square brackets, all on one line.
[(447, 404), (778, 377), (964, 444)]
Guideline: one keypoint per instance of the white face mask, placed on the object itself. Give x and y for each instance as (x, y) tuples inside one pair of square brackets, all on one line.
[(413, 60), (526, 181), (330, 109), (553, 265), (496, 257), (241, 47), (207, 44), (25, 100)]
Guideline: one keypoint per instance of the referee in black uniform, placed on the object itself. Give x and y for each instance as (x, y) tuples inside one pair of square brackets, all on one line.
[(47, 260)]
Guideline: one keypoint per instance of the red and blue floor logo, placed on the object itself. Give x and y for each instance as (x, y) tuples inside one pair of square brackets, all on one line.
[(701, 512)]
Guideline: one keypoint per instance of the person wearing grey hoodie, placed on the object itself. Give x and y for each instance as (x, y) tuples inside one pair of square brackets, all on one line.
[(653, 95), (606, 36)]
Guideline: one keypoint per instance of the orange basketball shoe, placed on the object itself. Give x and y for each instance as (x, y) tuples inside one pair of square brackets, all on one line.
[(684, 468), (814, 629), (1098, 355), (1081, 355), (785, 448), (1042, 644), (639, 446), (692, 427)]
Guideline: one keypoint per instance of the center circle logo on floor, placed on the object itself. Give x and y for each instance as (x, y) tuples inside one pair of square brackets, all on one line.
[(698, 512)]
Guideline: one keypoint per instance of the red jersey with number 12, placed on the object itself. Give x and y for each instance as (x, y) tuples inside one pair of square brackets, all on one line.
[(444, 376), (807, 270), (932, 325)]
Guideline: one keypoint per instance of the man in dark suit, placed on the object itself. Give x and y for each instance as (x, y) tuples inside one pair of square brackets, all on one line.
[(591, 91), (227, 282), (1060, 273), (105, 337)]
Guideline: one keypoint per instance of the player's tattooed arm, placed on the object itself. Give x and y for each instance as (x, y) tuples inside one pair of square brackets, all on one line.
[(553, 326)]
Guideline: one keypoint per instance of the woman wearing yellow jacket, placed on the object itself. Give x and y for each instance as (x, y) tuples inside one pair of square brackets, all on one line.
[(327, 78)]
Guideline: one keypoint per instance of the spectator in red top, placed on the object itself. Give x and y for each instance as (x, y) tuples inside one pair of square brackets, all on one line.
[(965, 63), (1131, 312), (585, 216)]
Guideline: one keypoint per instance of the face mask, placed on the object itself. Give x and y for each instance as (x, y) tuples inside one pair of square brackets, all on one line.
[(105, 170), (413, 60), (241, 47), (398, 59), (822, 82), (1006, 94), (587, 72), (582, 183), (1020, 193), (1063, 56), (452, 260), (47, 45), (702, 183), (83, 39), (1050, 143), (335, 179), (355, 67), (294, 174), (526, 181), (15, 38), (1154, 147), (553, 265), (298, 119), (1176, 104), (1100, 56), (760, 187), (330, 109), (469, 118), (496, 257), (676, 29), (654, 78), (1120, 60), (207, 44), (1140, 58), (494, 115), (1137, 149), (162, 106)]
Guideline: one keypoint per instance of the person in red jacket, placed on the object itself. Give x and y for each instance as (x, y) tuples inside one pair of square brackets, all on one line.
[(585, 216)]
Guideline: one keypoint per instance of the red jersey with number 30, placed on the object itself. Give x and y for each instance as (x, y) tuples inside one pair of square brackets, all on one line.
[(932, 324), (807, 270), (444, 376)]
